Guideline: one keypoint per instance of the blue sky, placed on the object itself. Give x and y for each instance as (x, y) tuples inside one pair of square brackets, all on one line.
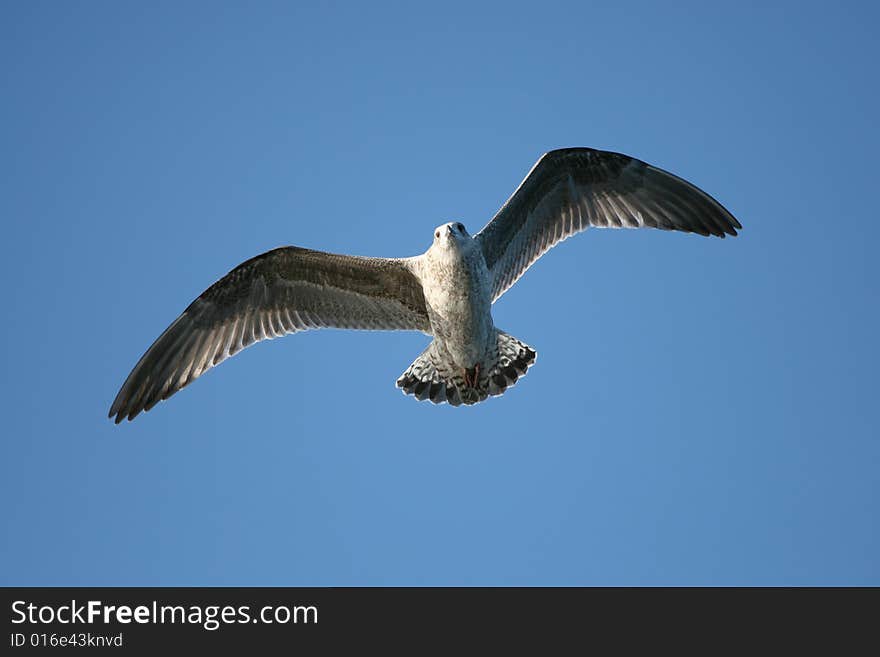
[(702, 411)]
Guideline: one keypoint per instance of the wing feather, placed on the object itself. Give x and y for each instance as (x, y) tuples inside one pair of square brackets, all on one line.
[(283, 291), (571, 189)]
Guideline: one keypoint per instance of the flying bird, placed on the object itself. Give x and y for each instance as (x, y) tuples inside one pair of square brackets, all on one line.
[(447, 292)]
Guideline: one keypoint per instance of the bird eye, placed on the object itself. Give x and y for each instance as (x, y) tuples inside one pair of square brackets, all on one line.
[(460, 228), (437, 233)]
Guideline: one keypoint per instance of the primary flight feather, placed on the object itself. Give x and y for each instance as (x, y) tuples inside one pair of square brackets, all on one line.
[(447, 292)]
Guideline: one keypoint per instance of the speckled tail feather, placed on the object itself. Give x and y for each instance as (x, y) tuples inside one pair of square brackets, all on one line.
[(433, 378)]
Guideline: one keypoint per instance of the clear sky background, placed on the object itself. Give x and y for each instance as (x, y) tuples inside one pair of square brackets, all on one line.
[(702, 411)]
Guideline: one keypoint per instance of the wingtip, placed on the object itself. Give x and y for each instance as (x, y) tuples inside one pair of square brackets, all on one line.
[(731, 225), (118, 413)]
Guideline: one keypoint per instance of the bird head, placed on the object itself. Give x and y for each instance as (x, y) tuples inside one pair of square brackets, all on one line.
[(450, 235)]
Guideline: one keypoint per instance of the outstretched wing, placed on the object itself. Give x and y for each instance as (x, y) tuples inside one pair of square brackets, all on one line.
[(571, 189), (282, 291)]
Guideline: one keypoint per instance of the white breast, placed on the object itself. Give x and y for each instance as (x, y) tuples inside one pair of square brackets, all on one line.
[(457, 291)]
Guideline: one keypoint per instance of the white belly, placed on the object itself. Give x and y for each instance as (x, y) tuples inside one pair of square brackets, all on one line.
[(457, 293)]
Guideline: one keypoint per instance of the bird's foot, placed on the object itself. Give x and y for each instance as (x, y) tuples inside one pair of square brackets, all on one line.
[(471, 375)]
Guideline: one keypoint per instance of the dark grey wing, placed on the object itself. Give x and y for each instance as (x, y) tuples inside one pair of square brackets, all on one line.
[(571, 189), (282, 291)]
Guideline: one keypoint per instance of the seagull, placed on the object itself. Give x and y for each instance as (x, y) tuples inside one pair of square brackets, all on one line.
[(447, 292)]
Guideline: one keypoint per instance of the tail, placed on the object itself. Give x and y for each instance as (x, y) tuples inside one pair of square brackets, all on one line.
[(433, 376)]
